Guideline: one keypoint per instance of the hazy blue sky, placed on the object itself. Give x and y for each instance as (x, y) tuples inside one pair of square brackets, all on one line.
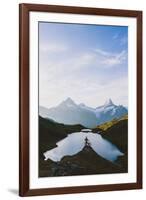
[(88, 63)]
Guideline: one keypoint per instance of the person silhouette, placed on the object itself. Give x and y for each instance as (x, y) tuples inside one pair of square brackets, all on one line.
[(87, 143)]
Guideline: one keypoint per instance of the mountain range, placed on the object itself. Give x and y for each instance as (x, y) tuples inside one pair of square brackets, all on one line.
[(68, 112)]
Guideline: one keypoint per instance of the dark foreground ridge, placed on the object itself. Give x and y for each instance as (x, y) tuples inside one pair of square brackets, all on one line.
[(86, 162)]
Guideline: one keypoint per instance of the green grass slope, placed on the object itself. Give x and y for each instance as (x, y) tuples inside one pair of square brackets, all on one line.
[(108, 124), (118, 135)]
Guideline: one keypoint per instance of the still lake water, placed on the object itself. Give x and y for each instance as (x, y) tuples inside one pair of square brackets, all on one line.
[(75, 142)]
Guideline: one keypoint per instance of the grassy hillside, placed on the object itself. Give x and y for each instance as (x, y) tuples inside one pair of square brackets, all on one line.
[(118, 135), (116, 131), (106, 125)]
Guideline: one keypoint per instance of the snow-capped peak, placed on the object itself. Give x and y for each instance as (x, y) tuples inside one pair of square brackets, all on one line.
[(108, 103), (68, 102)]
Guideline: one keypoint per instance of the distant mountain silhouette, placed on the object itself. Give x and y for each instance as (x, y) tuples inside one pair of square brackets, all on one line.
[(68, 112)]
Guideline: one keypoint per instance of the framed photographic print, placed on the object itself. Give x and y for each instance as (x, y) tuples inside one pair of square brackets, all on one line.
[(80, 99)]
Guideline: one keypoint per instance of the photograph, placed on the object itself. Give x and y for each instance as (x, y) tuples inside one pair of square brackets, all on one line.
[(80, 105), (83, 99)]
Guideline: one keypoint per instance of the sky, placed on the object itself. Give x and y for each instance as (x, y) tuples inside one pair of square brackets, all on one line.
[(88, 63)]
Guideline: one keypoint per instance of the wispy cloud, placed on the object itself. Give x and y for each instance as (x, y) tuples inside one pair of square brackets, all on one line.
[(89, 72), (103, 52), (91, 94), (112, 59), (93, 60), (115, 60), (108, 59), (53, 48), (121, 39)]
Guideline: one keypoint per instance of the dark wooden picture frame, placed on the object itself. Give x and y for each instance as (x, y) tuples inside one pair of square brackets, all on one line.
[(24, 10)]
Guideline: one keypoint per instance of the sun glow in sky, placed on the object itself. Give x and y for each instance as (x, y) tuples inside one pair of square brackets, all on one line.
[(88, 63)]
